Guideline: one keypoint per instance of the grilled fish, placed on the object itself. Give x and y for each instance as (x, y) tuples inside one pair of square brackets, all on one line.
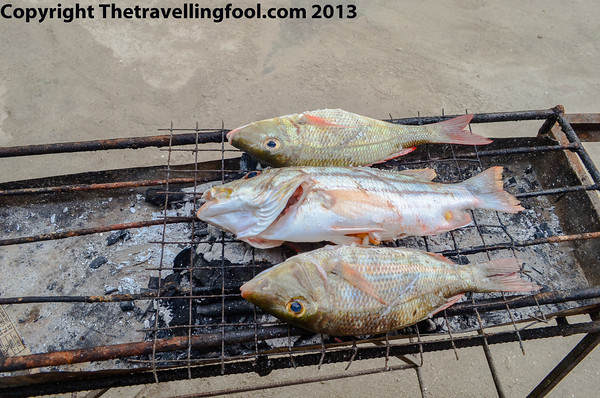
[(334, 137), (353, 290), (348, 205)]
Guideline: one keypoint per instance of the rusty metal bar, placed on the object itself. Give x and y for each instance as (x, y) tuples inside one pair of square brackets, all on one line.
[(568, 363), (103, 353), (533, 242), (113, 298), (90, 231), (93, 187), (555, 191), (209, 135), (587, 125), (485, 117)]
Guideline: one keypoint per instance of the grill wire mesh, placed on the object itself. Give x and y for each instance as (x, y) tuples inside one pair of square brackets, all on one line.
[(219, 333)]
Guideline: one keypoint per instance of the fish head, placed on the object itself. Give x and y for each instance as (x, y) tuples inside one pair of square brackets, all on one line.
[(272, 141), (246, 207), (293, 291)]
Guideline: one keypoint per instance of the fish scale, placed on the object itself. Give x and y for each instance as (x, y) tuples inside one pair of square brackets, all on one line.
[(357, 290)]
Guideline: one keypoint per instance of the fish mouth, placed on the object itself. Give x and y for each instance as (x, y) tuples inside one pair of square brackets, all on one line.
[(231, 134), (245, 291)]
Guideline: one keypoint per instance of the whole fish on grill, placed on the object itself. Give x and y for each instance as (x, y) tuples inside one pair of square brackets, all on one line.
[(334, 137), (353, 290), (348, 205)]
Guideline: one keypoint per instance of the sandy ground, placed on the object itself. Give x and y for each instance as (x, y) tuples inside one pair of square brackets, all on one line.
[(98, 78)]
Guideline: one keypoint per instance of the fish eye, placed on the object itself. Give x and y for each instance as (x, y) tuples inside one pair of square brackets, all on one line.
[(252, 174), (296, 307), (272, 144)]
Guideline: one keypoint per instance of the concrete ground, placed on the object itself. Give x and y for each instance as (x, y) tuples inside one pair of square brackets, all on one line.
[(102, 78)]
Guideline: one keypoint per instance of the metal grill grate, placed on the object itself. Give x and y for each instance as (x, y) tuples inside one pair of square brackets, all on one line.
[(216, 332)]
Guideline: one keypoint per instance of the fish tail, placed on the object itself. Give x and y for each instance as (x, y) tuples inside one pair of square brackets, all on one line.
[(454, 131), (488, 187), (502, 275)]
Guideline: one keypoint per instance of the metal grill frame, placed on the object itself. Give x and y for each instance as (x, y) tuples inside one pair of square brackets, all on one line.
[(264, 362)]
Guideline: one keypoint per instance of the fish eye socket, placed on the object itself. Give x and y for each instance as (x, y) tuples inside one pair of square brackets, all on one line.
[(252, 174), (296, 307), (272, 144)]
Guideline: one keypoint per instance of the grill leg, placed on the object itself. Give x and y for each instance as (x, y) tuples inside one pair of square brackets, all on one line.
[(569, 362), (491, 364)]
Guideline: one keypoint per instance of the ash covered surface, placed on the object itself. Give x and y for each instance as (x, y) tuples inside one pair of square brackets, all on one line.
[(211, 265)]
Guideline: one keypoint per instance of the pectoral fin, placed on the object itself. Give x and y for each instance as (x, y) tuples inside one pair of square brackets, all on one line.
[(397, 154), (457, 219), (425, 174), (450, 302), (356, 279)]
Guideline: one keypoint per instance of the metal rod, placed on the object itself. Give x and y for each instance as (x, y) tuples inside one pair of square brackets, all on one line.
[(93, 187), (90, 231), (115, 143), (554, 191), (533, 242), (491, 364), (484, 117), (103, 353), (568, 363)]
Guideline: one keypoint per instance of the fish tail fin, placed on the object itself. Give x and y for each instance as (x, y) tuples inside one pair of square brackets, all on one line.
[(454, 131), (489, 188), (502, 275)]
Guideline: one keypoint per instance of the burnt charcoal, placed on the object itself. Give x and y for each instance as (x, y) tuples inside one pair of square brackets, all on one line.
[(248, 163), (262, 365), (511, 181), (213, 276), (426, 326), (180, 314), (98, 262), (171, 283), (199, 233), (127, 306), (121, 235), (528, 169), (156, 196), (153, 283), (183, 259), (231, 308), (542, 231)]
